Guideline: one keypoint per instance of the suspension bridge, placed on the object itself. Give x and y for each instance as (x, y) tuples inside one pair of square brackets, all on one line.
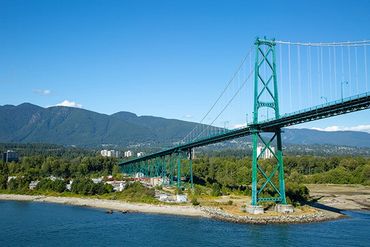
[(308, 73)]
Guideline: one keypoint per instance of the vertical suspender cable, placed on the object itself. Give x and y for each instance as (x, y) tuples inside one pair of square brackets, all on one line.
[(309, 76), (250, 91), (330, 73), (356, 71), (299, 76), (281, 92), (342, 65), (365, 58), (349, 70), (322, 73), (335, 72), (290, 79), (318, 71)]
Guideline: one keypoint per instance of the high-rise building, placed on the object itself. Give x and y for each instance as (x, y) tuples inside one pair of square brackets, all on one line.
[(128, 154), (267, 154), (10, 156), (110, 153)]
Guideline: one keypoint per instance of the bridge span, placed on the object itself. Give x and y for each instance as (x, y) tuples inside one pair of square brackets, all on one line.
[(266, 97)]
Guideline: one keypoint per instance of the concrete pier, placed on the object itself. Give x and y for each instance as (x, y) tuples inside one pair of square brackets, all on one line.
[(254, 209), (284, 208)]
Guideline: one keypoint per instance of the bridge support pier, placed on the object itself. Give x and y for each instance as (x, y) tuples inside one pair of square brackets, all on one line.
[(251, 209), (284, 208), (265, 178)]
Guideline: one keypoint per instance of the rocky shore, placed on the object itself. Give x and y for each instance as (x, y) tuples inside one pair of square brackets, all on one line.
[(183, 210), (293, 218)]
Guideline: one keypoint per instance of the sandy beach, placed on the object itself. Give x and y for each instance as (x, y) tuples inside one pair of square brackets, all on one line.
[(341, 196), (111, 205), (182, 210)]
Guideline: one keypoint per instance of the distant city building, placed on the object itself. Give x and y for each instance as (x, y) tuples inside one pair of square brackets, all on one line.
[(128, 154), (117, 185), (267, 154), (33, 184), (10, 156), (140, 154), (97, 180), (110, 153)]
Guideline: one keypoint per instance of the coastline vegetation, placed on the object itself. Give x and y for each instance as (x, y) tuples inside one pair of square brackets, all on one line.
[(213, 176)]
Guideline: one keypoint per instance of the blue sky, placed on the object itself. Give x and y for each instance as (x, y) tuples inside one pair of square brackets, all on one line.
[(161, 58)]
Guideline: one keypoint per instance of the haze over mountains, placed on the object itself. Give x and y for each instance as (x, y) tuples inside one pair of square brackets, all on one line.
[(28, 123)]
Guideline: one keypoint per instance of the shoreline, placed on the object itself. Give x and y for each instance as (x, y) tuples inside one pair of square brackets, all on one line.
[(180, 210), (114, 205)]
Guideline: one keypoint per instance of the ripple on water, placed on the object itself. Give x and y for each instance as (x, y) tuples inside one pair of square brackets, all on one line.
[(45, 224)]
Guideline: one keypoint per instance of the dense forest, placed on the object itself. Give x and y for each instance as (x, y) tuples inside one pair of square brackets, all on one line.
[(233, 172), (221, 173)]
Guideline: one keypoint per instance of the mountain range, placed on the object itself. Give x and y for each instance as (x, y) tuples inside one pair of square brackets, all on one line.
[(28, 123)]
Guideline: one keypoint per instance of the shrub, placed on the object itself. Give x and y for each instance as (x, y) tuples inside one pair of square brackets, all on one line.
[(194, 201), (216, 189), (86, 186), (297, 193)]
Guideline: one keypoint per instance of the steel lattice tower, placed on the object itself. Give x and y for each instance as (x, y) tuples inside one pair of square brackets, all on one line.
[(265, 84)]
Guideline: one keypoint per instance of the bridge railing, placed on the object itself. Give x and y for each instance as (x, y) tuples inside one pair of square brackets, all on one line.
[(358, 96)]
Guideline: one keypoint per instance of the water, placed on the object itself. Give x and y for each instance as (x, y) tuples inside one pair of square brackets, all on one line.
[(43, 224)]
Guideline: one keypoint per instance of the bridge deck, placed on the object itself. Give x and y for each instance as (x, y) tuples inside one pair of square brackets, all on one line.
[(339, 107)]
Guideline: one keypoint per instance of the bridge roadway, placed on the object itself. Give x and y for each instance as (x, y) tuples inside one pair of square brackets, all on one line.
[(339, 107)]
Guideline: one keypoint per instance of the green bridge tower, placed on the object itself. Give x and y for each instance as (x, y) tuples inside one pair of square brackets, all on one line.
[(267, 182)]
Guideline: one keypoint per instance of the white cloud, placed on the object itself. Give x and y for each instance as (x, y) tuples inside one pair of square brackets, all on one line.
[(363, 128), (69, 104), (188, 116), (237, 126), (42, 91)]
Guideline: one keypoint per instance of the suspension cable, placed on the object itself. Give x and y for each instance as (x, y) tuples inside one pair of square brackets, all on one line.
[(345, 43), (229, 102), (365, 54), (223, 91)]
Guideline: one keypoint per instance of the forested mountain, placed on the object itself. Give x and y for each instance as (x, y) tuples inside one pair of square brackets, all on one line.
[(28, 123)]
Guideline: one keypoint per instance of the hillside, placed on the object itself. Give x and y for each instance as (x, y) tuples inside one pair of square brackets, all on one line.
[(28, 123)]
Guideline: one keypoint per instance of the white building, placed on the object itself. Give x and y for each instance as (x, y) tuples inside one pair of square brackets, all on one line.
[(181, 198), (128, 154), (140, 154), (139, 175), (97, 180), (117, 185), (110, 153), (33, 185), (267, 154)]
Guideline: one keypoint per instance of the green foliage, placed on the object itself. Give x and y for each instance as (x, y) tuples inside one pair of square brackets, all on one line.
[(234, 174), (136, 192), (73, 126), (3, 181), (40, 166), (3, 175), (194, 201), (216, 189), (86, 186), (297, 193), (19, 184), (43, 149), (46, 184), (179, 191)]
